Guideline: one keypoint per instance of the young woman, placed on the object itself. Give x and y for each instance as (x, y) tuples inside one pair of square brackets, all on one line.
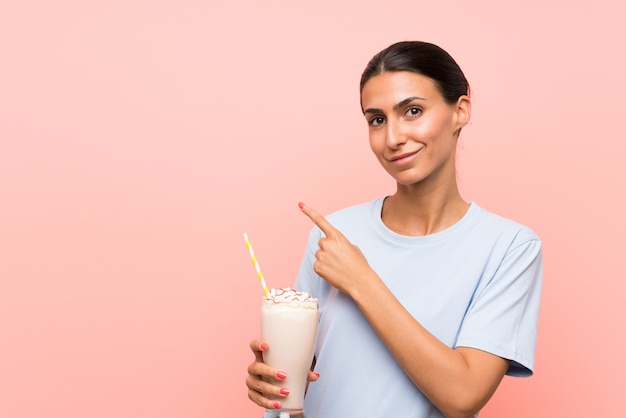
[(426, 300)]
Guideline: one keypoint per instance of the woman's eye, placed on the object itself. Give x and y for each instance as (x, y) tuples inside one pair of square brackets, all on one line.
[(413, 111), (376, 121)]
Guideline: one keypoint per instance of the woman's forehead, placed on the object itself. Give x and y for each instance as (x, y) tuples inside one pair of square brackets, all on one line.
[(392, 87)]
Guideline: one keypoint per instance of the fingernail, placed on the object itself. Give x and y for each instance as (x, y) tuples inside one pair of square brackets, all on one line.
[(263, 346), (316, 374), (301, 205), (281, 375), (284, 391), (276, 405)]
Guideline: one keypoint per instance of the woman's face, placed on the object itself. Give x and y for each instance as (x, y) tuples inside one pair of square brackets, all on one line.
[(413, 131)]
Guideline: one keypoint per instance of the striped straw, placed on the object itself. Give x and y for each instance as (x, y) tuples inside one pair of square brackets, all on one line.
[(256, 265)]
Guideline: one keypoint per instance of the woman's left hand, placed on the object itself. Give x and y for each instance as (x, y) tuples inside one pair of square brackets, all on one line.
[(339, 262)]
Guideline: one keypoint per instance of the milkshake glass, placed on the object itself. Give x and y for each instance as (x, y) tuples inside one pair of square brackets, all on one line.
[(289, 325)]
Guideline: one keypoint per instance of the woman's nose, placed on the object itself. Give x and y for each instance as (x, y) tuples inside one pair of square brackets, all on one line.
[(395, 134)]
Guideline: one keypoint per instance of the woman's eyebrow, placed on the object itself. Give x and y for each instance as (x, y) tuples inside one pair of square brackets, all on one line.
[(406, 102), (396, 106)]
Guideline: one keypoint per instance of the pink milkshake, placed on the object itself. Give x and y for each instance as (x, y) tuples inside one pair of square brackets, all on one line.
[(289, 325)]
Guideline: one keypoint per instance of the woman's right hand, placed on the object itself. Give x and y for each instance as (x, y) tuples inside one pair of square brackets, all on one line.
[(264, 380)]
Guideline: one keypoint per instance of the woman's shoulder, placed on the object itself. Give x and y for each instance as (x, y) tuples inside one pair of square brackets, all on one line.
[(499, 224)]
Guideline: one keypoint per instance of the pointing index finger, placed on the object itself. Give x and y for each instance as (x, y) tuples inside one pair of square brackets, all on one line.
[(319, 220)]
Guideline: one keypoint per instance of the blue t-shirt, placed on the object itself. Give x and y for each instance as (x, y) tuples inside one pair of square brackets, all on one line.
[(475, 284)]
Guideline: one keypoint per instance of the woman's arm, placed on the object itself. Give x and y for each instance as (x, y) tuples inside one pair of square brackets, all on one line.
[(458, 381)]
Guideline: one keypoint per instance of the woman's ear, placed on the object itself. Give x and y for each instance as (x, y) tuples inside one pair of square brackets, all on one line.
[(463, 112)]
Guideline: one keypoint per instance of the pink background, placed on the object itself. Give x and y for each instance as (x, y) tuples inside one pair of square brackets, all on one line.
[(139, 140)]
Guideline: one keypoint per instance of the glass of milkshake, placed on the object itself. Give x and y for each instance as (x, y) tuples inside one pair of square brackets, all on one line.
[(289, 325)]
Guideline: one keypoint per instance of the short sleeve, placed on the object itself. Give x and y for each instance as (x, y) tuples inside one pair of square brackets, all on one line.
[(503, 316)]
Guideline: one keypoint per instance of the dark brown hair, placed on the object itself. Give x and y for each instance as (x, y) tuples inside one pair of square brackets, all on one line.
[(422, 58)]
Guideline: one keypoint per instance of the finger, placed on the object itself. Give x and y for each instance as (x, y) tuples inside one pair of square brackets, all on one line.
[(262, 401), (258, 347), (260, 392), (267, 372), (313, 376), (259, 367), (319, 220)]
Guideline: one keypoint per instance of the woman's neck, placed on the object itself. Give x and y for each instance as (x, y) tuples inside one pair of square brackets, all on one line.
[(413, 211)]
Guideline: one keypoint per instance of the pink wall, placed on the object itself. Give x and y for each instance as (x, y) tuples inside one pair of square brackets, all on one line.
[(139, 139)]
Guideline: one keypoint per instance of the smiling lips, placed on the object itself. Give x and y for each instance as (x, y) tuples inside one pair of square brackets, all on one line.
[(403, 158)]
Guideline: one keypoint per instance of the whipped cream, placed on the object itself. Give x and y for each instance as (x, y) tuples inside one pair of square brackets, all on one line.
[(286, 295)]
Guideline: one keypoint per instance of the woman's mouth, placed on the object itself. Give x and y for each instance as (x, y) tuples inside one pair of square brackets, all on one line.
[(404, 158)]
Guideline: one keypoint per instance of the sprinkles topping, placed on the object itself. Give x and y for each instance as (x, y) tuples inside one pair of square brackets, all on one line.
[(288, 295)]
